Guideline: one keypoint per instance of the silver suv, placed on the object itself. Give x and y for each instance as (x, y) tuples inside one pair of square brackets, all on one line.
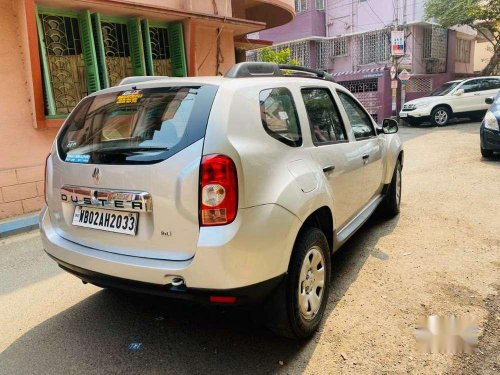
[(225, 190)]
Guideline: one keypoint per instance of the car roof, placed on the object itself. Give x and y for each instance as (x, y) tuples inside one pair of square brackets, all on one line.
[(234, 83)]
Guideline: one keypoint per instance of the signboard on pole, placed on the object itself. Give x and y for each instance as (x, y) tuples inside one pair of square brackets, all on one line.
[(394, 84), (404, 75), (393, 72), (397, 42)]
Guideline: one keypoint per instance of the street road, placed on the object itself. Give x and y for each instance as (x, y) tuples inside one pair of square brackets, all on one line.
[(440, 256)]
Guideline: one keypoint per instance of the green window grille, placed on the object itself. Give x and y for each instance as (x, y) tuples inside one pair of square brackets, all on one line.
[(119, 48), (164, 49), (62, 62), (83, 52)]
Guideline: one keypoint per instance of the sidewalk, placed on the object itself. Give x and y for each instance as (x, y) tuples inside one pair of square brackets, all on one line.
[(18, 224)]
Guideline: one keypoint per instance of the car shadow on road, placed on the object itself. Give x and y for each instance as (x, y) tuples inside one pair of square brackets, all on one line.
[(94, 335)]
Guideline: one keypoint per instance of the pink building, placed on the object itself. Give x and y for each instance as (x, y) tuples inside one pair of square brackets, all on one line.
[(351, 39), (54, 52)]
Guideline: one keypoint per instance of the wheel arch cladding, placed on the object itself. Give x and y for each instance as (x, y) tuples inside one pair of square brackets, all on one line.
[(322, 219)]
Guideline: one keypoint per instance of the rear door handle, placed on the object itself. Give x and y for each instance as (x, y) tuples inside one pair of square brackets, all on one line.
[(328, 168), (366, 156)]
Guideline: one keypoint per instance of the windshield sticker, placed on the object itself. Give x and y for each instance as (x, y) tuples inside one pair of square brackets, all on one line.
[(129, 97), (71, 144), (78, 158)]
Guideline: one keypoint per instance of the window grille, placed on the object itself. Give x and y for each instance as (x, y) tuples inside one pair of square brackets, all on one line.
[(64, 59), (81, 53), (434, 49), (419, 85), (371, 47), (330, 48)]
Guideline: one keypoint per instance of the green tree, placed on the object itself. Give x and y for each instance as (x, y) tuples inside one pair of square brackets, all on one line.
[(481, 15), (279, 57)]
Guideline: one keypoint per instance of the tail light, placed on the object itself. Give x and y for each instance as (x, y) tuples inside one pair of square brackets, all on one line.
[(45, 187), (218, 190)]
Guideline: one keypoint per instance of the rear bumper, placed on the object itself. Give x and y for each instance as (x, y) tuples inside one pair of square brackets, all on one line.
[(253, 249), (246, 295), (490, 139)]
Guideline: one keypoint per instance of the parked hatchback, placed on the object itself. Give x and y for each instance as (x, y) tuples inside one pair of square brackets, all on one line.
[(223, 190), (461, 98)]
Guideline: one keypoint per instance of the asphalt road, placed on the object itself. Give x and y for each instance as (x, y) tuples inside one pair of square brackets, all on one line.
[(440, 256)]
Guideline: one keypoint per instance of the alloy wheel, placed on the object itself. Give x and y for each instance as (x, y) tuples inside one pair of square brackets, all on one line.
[(311, 283)]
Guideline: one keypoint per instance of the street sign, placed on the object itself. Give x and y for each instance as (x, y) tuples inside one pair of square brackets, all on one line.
[(398, 42), (394, 84), (393, 72), (404, 75)]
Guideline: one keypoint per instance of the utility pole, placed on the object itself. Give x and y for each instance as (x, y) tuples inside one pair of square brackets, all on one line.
[(403, 82)]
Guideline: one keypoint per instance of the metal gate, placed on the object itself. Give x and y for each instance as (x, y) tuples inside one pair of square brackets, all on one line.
[(366, 91)]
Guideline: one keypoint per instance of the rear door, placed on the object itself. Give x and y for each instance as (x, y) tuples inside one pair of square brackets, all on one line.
[(489, 87), (134, 154), (369, 145), (338, 157)]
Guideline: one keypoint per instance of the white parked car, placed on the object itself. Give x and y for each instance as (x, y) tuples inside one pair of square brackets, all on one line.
[(461, 98), (224, 190)]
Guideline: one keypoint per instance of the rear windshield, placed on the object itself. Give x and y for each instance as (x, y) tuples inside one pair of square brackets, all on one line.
[(136, 126)]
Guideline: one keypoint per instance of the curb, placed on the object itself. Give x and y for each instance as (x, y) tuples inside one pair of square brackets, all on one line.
[(18, 225)]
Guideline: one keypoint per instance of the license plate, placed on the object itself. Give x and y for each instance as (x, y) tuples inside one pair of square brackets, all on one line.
[(403, 114), (108, 220)]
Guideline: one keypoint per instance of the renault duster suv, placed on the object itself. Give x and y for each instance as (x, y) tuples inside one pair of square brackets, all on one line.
[(224, 190)]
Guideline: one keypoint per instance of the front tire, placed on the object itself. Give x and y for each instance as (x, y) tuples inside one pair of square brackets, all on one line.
[(299, 304), (440, 116), (391, 205), (486, 153)]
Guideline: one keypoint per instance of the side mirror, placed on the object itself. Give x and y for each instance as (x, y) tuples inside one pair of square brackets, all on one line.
[(489, 100), (459, 92), (389, 126)]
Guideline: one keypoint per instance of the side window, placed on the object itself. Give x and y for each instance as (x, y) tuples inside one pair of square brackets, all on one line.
[(472, 86), (491, 84), (324, 117), (361, 123), (279, 116)]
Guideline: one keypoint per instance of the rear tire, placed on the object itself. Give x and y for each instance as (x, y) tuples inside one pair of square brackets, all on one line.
[(486, 153), (440, 116), (297, 307), (391, 206)]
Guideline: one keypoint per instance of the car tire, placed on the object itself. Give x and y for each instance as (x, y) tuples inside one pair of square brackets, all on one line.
[(391, 205), (308, 283), (486, 153), (440, 116)]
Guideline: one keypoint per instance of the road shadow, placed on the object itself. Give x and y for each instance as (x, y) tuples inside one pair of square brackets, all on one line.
[(94, 335)]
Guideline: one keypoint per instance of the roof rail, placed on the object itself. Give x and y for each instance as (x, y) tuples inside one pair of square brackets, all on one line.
[(268, 69), (317, 72), (137, 79), (254, 69)]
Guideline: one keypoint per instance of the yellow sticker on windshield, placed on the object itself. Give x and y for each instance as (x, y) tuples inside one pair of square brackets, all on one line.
[(129, 97)]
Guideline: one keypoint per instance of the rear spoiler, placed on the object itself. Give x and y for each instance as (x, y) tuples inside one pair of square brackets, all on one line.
[(137, 79)]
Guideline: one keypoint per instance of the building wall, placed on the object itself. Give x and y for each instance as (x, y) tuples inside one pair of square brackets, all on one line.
[(307, 23), (24, 148), (482, 55)]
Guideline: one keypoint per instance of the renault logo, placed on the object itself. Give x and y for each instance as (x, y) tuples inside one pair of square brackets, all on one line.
[(96, 175)]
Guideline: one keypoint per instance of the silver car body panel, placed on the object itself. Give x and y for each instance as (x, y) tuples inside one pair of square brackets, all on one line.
[(279, 187)]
